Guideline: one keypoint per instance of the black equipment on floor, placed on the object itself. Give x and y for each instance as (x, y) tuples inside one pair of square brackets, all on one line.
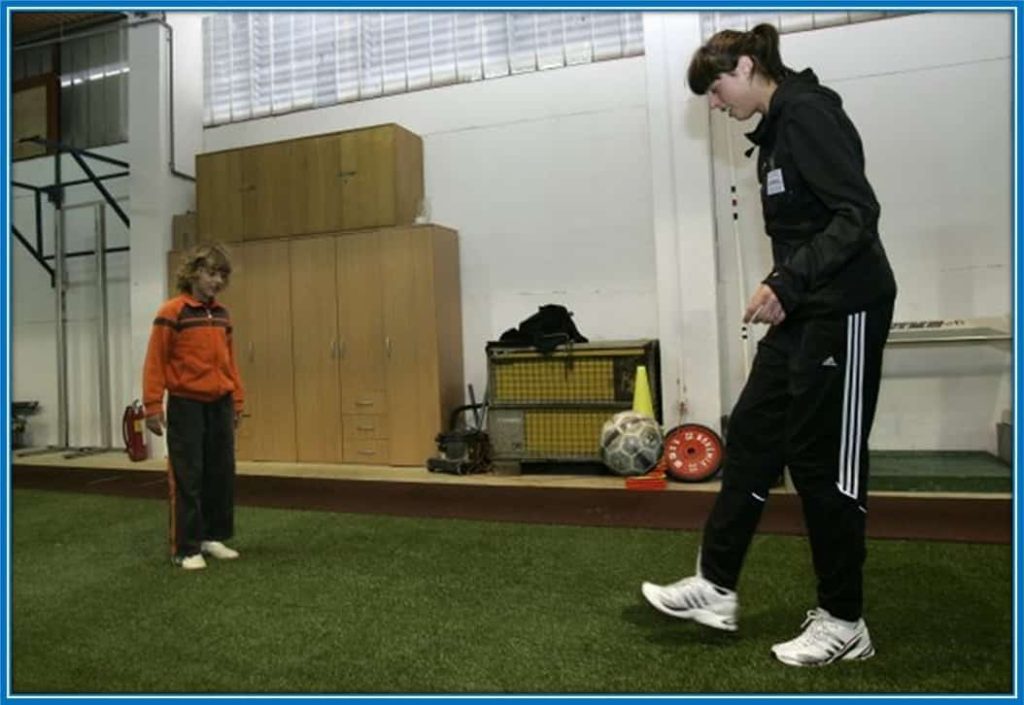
[(463, 450), (20, 411)]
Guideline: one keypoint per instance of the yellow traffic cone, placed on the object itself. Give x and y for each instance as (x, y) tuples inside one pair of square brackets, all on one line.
[(642, 403)]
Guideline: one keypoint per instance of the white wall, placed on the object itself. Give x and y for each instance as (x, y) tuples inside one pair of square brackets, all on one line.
[(557, 183), (931, 95)]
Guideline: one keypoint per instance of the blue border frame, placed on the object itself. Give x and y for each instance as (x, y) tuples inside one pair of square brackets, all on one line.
[(652, 5), (5, 403)]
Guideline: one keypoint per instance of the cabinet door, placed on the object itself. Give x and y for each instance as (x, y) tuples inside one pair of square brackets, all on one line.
[(219, 187), (408, 168), (323, 194), (411, 345), (268, 173), (264, 354), (361, 324), (315, 346), (174, 259), (368, 186)]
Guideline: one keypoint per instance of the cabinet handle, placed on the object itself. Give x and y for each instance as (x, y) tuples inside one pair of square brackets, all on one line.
[(334, 348), (364, 402), (252, 350), (387, 345), (364, 428), (367, 452), (341, 349)]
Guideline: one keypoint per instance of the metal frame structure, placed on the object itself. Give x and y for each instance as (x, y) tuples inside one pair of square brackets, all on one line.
[(58, 280)]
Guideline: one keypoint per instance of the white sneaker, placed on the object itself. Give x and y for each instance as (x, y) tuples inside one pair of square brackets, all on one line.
[(695, 598), (825, 640), (218, 550), (193, 562)]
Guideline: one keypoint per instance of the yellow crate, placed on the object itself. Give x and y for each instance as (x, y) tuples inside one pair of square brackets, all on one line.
[(586, 372), (552, 406), (573, 433), (555, 380)]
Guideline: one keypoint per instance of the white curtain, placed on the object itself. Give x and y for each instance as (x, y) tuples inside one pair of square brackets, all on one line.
[(712, 22), (258, 64)]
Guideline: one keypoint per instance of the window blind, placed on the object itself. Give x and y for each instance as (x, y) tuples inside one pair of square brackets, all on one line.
[(785, 22), (259, 64)]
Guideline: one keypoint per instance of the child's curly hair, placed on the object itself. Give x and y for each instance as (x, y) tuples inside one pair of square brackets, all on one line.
[(204, 256)]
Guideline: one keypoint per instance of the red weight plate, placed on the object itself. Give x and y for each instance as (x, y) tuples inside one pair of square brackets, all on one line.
[(692, 452)]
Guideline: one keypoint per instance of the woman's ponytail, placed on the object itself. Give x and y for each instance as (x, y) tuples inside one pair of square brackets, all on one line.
[(765, 52)]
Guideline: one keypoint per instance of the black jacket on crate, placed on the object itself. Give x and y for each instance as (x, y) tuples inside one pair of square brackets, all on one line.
[(819, 209), (545, 330)]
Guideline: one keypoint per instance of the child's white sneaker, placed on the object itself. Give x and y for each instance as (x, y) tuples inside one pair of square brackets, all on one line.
[(218, 550), (193, 562)]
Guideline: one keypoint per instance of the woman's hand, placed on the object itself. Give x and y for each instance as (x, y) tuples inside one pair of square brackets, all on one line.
[(764, 307)]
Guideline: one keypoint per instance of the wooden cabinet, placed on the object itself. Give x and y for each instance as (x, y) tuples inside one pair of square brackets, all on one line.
[(422, 335), (362, 338), (382, 177), (275, 183), (349, 343), (377, 338), (173, 262), (320, 158), (366, 178), (263, 351), (219, 189), (316, 349)]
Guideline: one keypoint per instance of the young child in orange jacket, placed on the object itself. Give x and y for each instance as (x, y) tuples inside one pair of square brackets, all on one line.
[(190, 356)]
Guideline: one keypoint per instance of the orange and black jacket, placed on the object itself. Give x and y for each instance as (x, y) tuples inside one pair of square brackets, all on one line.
[(190, 355)]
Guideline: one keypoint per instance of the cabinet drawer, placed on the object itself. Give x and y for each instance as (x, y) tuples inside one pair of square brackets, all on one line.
[(366, 452), (372, 401), (363, 427)]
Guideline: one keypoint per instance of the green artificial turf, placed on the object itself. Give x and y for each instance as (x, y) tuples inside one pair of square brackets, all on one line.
[(339, 603)]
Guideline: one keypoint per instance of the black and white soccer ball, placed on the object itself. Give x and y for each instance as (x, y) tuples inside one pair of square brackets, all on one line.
[(630, 443)]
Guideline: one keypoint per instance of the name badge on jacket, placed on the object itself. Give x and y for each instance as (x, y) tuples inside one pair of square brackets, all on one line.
[(774, 184)]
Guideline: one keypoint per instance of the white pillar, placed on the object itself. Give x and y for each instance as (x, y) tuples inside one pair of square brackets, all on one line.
[(156, 193), (684, 223)]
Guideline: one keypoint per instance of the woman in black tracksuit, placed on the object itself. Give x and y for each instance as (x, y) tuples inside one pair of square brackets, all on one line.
[(810, 397)]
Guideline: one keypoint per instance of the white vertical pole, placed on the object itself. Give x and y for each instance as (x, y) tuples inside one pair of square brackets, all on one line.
[(103, 353), (60, 319)]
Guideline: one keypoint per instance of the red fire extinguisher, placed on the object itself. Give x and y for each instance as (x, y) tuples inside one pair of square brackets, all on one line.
[(133, 425)]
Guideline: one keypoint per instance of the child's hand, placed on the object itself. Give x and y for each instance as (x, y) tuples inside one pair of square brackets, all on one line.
[(156, 424)]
